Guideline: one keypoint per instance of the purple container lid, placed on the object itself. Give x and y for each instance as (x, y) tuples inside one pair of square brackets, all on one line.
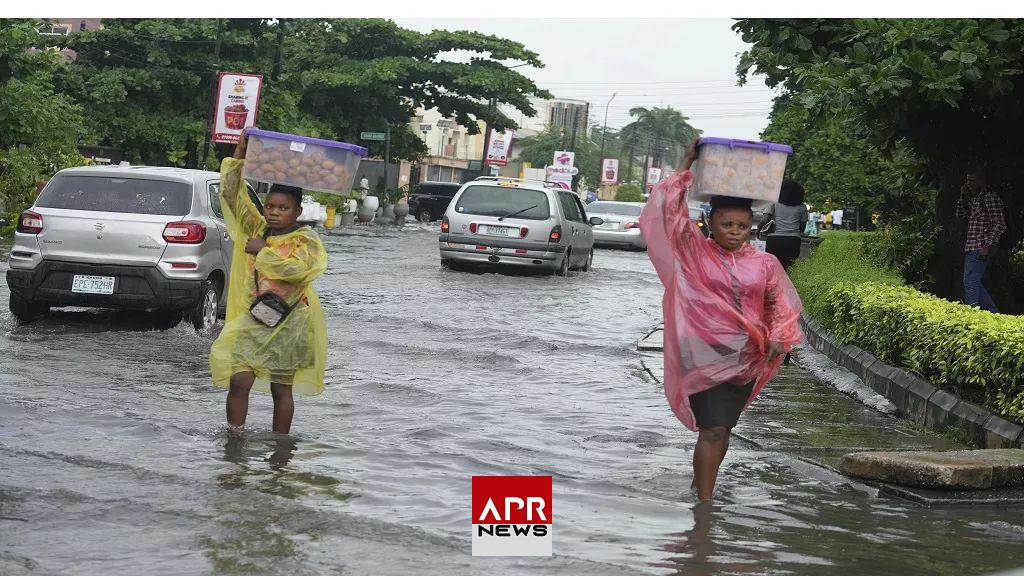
[(295, 138), (731, 143)]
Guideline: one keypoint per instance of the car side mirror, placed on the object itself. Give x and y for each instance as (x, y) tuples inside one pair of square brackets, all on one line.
[(595, 221)]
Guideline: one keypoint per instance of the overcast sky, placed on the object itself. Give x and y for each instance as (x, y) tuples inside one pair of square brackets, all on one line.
[(688, 64)]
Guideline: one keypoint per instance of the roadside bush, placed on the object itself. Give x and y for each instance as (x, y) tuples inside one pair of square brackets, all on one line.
[(841, 257), (906, 245), (973, 353), (629, 193)]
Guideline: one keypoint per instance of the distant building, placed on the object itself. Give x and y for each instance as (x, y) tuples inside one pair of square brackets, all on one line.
[(454, 155)]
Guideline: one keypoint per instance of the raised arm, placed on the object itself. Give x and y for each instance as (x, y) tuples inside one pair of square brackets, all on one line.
[(243, 218), (665, 222), (994, 210)]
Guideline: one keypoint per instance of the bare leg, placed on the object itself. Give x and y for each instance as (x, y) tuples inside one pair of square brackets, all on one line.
[(284, 407), (712, 444), (238, 398)]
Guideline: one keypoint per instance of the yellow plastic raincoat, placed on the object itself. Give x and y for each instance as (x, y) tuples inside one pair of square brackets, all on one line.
[(295, 351)]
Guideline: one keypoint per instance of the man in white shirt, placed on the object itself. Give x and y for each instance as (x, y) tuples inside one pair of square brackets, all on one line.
[(837, 219)]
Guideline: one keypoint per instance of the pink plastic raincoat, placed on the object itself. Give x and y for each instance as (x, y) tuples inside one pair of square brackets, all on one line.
[(721, 308)]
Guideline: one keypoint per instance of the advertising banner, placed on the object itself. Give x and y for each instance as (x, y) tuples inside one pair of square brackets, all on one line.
[(564, 159), (238, 100), (499, 147), (610, 171), (653, 176)]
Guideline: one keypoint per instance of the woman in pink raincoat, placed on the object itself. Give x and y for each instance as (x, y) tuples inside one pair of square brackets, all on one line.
[(730, 311)]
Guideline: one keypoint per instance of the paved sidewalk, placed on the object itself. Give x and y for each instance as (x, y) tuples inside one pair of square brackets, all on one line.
[(798, 414)]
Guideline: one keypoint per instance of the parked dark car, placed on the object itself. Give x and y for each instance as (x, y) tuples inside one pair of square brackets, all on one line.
[(429, 200)]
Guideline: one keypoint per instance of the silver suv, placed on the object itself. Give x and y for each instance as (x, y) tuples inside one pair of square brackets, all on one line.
[(506, 221), (125, 237)]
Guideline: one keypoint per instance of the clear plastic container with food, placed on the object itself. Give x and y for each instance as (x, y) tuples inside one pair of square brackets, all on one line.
[(308, 163), (739, 168)]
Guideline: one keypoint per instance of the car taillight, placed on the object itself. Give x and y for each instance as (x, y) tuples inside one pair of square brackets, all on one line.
[(30, 223), (631, 225), (445, 226), (523, 232), (472, 227), (185, 233), (556, 234)]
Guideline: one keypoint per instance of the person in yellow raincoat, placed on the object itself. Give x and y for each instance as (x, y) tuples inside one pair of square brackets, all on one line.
[(282, 257)]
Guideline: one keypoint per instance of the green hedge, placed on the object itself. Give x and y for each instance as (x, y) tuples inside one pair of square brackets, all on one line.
[(629, 193), (974, 353), (841, 257)]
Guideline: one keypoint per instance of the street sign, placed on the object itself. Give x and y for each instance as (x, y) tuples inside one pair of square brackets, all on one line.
[(379, 136)]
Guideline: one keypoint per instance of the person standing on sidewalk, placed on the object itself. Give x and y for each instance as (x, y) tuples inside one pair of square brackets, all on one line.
[(731, 313), (985, 225), (790, 216)]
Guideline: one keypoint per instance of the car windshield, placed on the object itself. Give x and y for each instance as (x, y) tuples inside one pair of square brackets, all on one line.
[(486, 200), (613, 208), (124, 195)]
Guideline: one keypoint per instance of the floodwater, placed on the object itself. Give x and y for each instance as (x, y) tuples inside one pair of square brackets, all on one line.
[(115, 458)]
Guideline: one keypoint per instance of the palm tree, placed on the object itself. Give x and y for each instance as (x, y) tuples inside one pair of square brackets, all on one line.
[(663, 131)]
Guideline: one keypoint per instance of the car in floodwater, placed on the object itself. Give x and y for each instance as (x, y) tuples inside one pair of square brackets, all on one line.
[(124, 237), (621, 226), (517, 223)]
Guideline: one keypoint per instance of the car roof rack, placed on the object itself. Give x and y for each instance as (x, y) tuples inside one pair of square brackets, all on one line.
[(510, 179)]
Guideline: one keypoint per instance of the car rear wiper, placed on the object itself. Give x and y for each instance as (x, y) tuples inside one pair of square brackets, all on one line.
[(518, 212)]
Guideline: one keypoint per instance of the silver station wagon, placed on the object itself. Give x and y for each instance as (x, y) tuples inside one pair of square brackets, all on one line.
[(522, 223), (124, 237)]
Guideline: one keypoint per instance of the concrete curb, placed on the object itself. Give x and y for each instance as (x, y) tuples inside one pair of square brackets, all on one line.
[(916, 399)]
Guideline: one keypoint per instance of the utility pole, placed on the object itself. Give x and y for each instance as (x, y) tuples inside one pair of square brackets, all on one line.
[(647, 159), (387, 154), (487, 137), (604, 131), (629, 170), (278, 55), (213, 97)]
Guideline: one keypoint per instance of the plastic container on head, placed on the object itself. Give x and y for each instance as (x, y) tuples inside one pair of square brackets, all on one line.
[(739, 168), (308, 163)]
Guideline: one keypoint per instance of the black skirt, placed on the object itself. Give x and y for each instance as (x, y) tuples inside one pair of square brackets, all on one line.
[(720, 405), (785, 248)]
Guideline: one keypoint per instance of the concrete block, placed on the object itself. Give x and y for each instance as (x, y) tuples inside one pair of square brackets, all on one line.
[(843, 354), (918, 393), (1001, 433), (879, 378), (899, 381), (970, 420), (940, 405), (962, 469), (867, 360)]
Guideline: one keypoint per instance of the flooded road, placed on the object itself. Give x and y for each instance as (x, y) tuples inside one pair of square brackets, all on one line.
[(115, 459)]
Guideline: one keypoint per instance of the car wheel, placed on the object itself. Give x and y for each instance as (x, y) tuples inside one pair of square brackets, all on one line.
[(424, 215), (563, 269), (26, 310), (590, 261), (204, 314)]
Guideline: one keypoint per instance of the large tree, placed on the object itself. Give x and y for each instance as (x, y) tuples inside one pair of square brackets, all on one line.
[(38, 127), (146, 84), (540, 150), (664, 133), (950, 88), (838, 164)]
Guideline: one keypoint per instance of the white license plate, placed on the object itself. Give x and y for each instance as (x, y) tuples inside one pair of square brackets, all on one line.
[(92, 284), (498, 231)]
